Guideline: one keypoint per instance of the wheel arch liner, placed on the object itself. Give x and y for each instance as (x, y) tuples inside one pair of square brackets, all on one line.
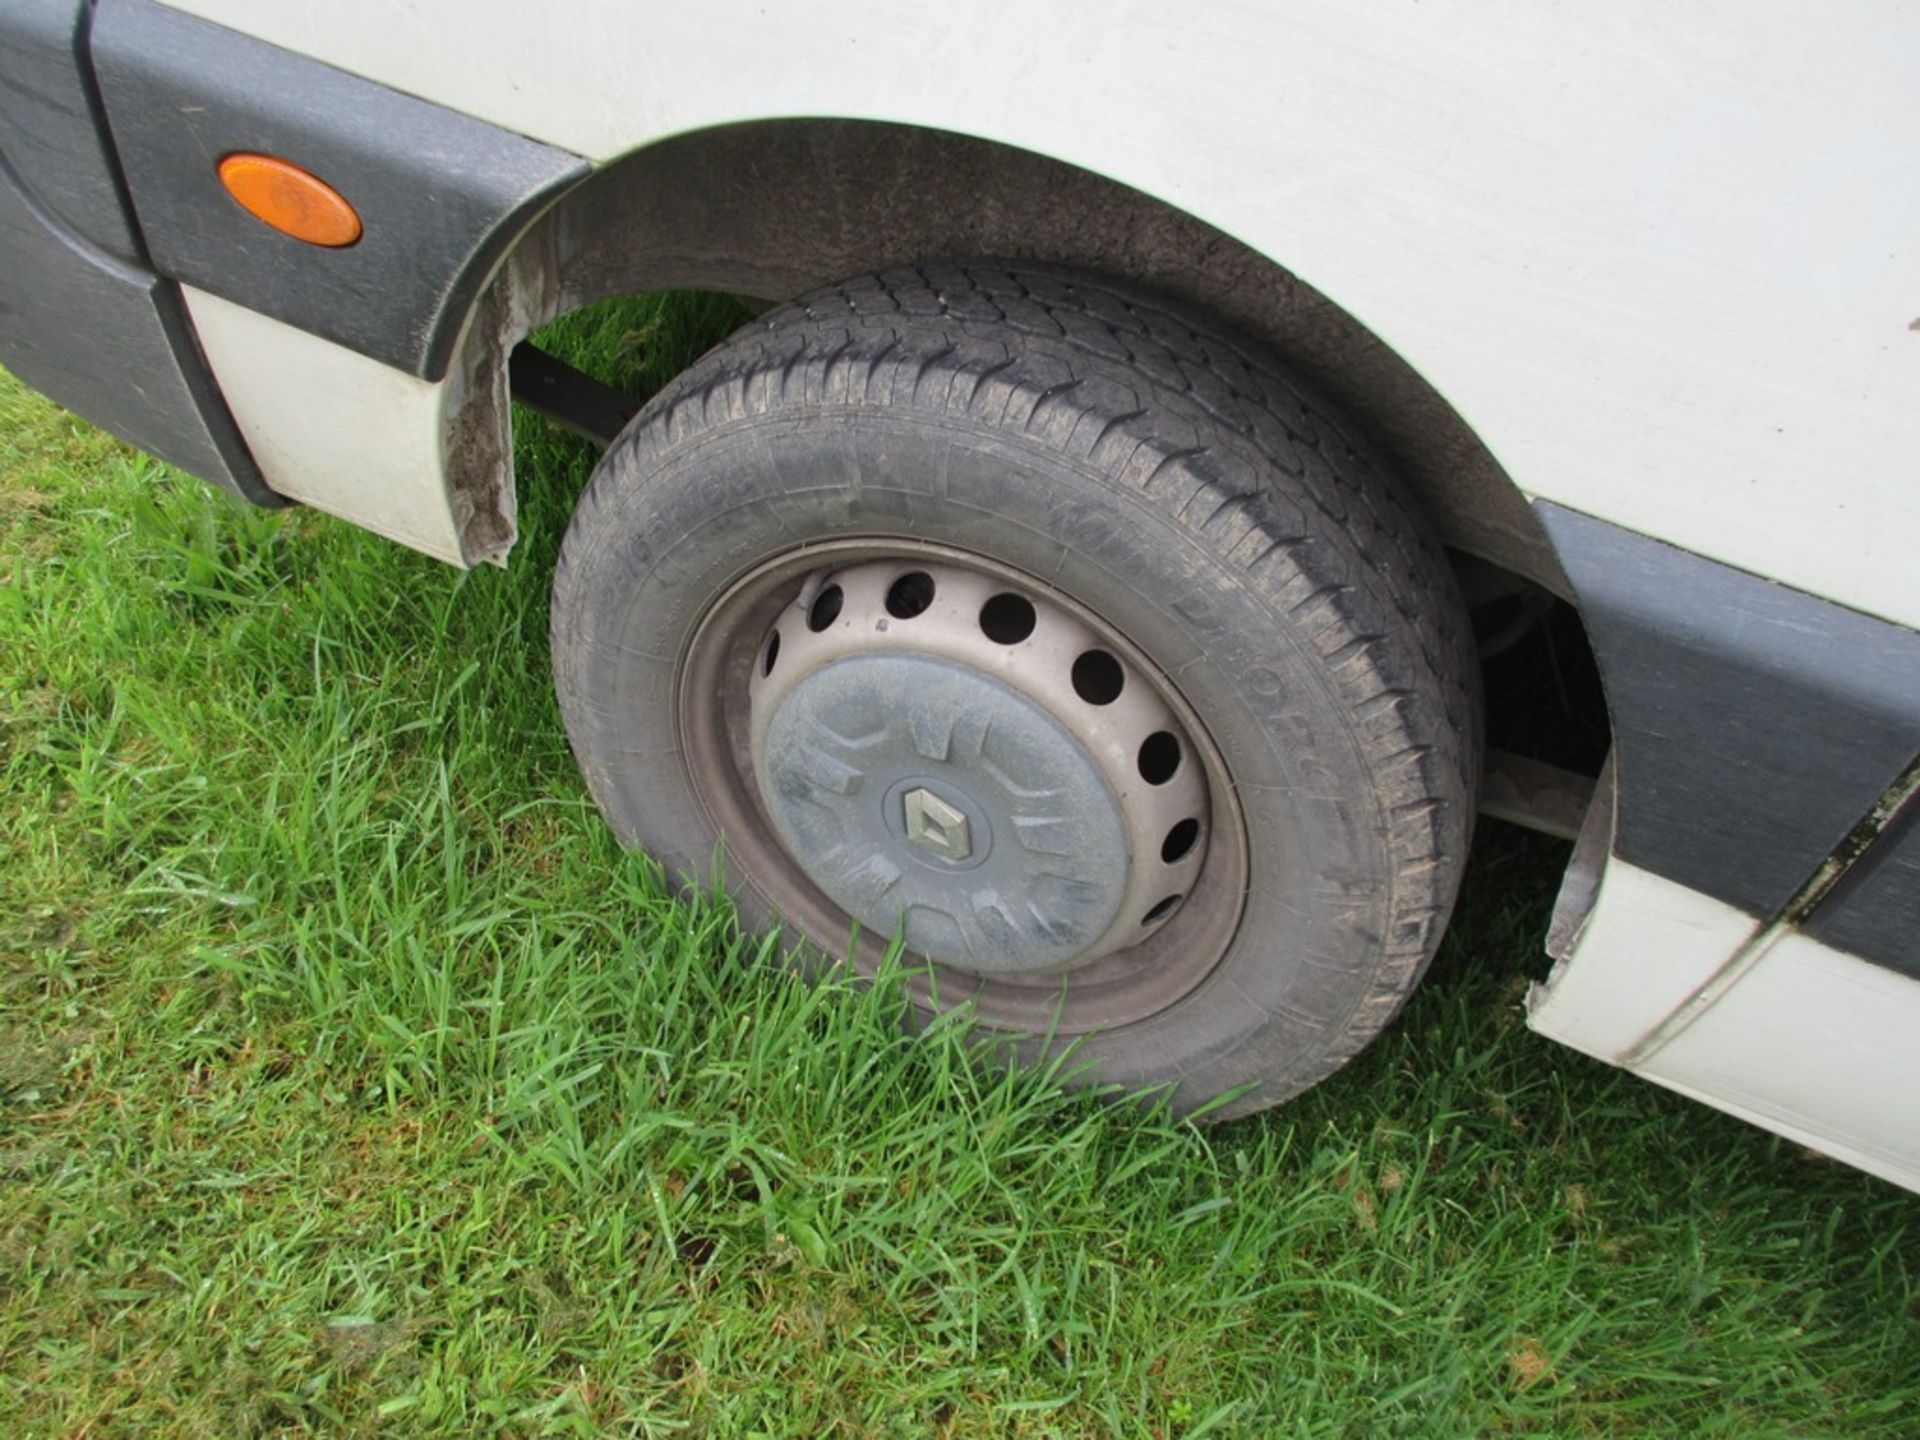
[(442, 196)]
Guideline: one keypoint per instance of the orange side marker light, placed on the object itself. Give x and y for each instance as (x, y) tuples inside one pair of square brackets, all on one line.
[(290, 199)]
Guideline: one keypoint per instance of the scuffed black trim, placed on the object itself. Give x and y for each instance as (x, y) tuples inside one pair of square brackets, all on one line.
[(81, 319), (50, 124), (1754, 725), (1874, 910), (441, 195), (111, 342)]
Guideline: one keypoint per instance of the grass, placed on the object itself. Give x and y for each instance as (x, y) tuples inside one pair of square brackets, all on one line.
[(352, 1081)]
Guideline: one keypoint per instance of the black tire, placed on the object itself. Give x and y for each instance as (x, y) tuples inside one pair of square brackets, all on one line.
[(1174, 481)]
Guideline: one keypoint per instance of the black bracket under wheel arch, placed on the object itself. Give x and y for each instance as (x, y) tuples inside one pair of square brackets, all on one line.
[(570, 398)]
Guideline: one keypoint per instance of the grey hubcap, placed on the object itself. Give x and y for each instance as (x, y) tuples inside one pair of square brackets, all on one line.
[(974, 767)]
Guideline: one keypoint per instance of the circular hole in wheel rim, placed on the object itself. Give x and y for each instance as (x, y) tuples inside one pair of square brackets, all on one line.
[(1007, 619), (773, 653), (1159, 757), (910, 595), (1098, 678), (1179, 841), (825, 608), (1161, 911)]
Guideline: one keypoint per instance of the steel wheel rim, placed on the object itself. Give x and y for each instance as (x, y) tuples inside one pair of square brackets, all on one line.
[(722, 672)]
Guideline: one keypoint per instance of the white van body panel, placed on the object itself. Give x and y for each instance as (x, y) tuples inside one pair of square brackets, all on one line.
[(1646, 948), (333, 429), (1800, 1038), (1814, 1044), (1658, 257)]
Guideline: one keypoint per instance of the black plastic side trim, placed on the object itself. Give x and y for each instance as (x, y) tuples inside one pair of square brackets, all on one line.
[(1874, 911), (112, 342), (441, 195), (1753, 725), (49, 126), (81, 317)]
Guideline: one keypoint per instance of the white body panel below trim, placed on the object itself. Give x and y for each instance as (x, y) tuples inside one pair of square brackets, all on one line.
[(1803, 1040), (1647, 948), (1817, 1045), (333, 429)]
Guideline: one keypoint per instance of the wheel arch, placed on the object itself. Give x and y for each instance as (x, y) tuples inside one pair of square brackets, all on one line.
[(770, 209)]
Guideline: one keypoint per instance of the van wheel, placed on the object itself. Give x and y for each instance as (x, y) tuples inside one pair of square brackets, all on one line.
[(1050, 628)]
